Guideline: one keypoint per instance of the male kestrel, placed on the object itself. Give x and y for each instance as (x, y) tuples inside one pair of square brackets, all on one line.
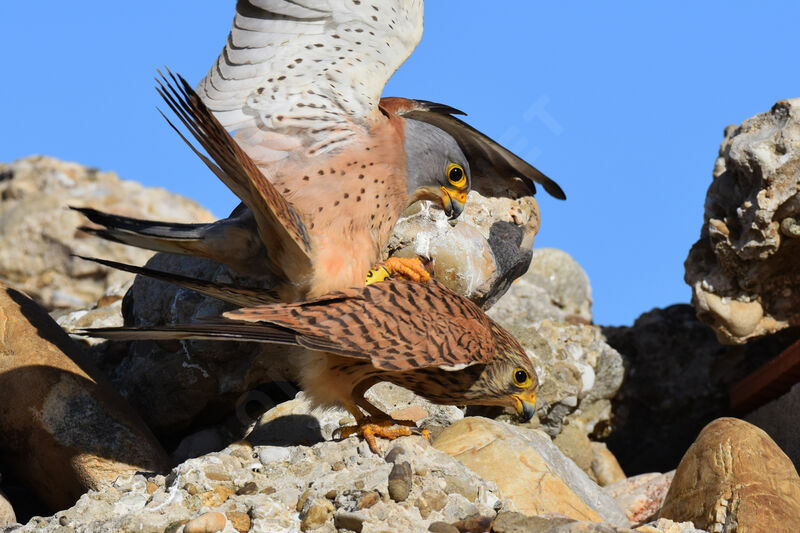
[(323, 165), (421, 336)]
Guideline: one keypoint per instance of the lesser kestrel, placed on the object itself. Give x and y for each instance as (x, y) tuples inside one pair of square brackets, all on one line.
[(421, 336)]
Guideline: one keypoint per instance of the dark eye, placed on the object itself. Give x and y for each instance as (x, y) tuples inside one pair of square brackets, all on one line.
[(456, 175)]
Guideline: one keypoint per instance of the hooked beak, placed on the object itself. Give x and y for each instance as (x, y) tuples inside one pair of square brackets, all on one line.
[(525, 404), (452, 202)]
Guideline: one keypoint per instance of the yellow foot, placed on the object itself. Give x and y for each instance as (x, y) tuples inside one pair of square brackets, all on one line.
[(370, 428), (410, 268)]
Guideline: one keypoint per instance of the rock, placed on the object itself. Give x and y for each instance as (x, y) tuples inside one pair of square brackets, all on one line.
[(555, 288), (678, 374), (7, 516), (641, 496), (65, 428), (734, 478), (743, 269), (302, 489), (206, 523), (663, 525), (528, 469), (574, 443), (481, 255), (400, 481), (778, 418), (39, 233), (605, 467)]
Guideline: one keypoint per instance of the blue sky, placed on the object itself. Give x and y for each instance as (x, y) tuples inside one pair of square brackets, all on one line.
[(623, 104)]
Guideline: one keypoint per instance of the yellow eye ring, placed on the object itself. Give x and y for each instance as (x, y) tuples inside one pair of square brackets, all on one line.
[(456, 176), (522, 379)]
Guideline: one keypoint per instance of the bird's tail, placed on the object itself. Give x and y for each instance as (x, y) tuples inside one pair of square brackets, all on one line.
[(158, 236), (239, 296), (212, 329)]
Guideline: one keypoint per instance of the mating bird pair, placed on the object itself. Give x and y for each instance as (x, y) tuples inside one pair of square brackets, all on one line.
[(324, 168)]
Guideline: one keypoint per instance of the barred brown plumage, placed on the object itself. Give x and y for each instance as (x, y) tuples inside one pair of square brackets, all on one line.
[(421, 336)]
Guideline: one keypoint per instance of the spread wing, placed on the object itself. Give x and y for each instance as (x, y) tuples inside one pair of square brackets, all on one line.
[(488, 160), (280, 227), (307, 72), (398, 325)]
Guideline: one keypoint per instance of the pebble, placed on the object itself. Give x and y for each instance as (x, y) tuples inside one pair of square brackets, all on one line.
[(442, 527), (206, 523), (400, 481), (240, 521), (474, 524), (368, 500), (351, 521), (248, 488), (317, 514), (273, 454), (216, 497)]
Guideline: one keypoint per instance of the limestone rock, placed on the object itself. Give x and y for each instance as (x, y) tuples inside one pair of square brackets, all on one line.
[(528, 469), (511, 522), (735, 478), (326, 484), (743, 269), (39, 233), (7, 516), (64, 427), (479, 257), (641, 496), (663, 525), (605, 467), (555, 288), (779, 419), (677, 381)]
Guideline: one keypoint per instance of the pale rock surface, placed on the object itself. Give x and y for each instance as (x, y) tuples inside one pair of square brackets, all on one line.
[(555, 288), (664, 525), (605, 467), (641, 496), (279, 489), (528, 469), (743, 269), (734, 478), (7, 516), (39, 234)]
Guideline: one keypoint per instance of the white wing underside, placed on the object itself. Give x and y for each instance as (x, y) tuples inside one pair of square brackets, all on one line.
[(307, 73)]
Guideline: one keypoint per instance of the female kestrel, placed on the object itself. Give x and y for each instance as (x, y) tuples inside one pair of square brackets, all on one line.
[(421, 336)]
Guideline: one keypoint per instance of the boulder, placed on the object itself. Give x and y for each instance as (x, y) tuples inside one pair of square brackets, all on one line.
[(735, 478), (39, 234), (743, 269), (528, 469), (64, 428)]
